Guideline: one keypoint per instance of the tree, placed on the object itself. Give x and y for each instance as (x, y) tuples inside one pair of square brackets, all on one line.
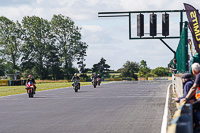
[(10, 36), (68, 38), (47, 49), (101, 68), (81, 59), (160, 71), (144, 70), (143, 63), (2, 68), (53, 63), (36, 36), (129, 69)]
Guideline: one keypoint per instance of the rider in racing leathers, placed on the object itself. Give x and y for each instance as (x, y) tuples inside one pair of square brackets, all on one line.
[(98, 76), (75, 77), (94, 76), (31, 79)]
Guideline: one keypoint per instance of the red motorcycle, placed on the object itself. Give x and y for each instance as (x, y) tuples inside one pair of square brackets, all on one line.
[(98, 81), (30, 88)]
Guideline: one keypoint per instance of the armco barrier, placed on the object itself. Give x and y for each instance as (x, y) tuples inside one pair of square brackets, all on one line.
[(141, 79), (16, 82), (159, 78), (169, 78), (23, 82), (196, 108), (88, 80), (182, 120), (82, 80), (150, 78), (129, 79), (3, 82), (113, 79)]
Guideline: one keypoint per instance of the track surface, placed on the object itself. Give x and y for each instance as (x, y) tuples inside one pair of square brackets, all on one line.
[(121, 107)]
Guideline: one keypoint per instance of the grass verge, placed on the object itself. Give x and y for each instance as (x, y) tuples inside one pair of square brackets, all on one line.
[(12, 90)]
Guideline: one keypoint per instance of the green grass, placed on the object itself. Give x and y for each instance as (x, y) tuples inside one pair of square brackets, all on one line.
[(12, 90)]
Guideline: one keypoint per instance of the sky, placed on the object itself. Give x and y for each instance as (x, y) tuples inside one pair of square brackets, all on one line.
[(108, 37)]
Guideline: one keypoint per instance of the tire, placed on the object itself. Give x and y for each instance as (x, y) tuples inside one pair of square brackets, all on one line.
[(32, 95), (29, 93), (95, 85), (76, 89)]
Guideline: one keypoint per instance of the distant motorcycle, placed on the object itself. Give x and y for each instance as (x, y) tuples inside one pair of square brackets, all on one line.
[(98, 81), (94, 82), (30, 88), (76, 86)]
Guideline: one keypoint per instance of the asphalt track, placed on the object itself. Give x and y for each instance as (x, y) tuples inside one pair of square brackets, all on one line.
[(121, 107)]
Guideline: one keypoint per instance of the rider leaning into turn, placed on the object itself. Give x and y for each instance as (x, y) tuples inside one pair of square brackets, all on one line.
[(31, 79), (74, 78)]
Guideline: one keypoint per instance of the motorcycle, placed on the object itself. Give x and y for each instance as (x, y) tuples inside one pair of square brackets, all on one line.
[(30, 88), (94, 82), (76, 86), (98, 81)]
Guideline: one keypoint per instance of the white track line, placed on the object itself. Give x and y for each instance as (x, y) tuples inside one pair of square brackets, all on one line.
[(164, 122)]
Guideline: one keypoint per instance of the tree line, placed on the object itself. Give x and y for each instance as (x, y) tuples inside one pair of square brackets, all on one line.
[(135, 70), (129, 69), (45, 49)]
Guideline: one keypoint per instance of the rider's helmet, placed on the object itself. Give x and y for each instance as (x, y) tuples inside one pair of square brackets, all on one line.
[(75, 74), (30, 76)]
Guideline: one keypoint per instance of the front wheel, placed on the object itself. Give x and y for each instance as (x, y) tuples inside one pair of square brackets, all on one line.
[(29, 93), (94, 85), (76, 89)]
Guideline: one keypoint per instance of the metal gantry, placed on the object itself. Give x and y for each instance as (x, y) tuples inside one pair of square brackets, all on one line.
[(128, 14)]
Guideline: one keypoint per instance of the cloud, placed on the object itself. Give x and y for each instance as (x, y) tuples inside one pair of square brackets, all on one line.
[(5, 3), (156, 54), (107, 37), (88, 9), (94, 34), (92, 28)]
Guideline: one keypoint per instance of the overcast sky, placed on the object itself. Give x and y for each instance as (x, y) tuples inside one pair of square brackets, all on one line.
[(107, 37)]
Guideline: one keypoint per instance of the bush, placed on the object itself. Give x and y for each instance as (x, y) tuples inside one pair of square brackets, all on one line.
[(84, 76)]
